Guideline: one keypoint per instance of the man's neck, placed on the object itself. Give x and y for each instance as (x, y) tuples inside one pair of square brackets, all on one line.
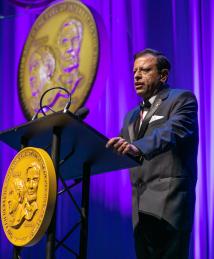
[(155, 92)]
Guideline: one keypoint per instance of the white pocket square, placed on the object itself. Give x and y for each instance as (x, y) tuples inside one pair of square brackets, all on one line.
[(156, 117)]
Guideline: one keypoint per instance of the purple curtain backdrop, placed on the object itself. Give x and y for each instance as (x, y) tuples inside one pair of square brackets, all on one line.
[(184, 31)]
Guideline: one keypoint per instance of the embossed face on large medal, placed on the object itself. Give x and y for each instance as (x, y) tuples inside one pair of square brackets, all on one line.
[(28, 197), (61, 50)]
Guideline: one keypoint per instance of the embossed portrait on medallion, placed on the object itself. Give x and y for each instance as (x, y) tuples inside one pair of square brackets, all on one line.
[(22, 201), (69, 39), (42, 65), (16, 202), (32, 183), (61, 51)]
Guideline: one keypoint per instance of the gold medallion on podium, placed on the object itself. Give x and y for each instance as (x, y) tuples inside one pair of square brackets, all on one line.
[(28, 196)]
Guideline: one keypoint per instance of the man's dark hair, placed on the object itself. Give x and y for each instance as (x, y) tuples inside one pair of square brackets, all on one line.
[(162, 61)]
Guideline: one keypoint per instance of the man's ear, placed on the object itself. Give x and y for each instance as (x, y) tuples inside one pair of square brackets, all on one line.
[(164, 75)]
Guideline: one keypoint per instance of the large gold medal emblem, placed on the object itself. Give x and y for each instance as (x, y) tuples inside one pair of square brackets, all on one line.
[(61, 51), (28, 196)]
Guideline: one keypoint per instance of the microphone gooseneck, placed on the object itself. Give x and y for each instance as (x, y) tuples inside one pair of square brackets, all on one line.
[(44, 108), (81, 113), (51, 89)]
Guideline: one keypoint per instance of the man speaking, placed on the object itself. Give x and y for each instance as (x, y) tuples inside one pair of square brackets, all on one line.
[(163, 132)]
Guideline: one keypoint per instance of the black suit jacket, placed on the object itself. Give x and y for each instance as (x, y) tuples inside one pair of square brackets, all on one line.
[(164, 186)]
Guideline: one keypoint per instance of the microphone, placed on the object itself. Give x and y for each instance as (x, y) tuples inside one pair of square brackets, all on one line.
[(39, 110), (35, 115), (67, 106), (82, 113), (42, 107)]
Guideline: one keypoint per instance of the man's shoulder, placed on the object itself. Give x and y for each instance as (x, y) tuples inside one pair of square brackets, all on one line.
[(176, 94), (182, 97), (180, 92)]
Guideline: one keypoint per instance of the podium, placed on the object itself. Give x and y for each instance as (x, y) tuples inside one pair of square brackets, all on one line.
[(78, 151)]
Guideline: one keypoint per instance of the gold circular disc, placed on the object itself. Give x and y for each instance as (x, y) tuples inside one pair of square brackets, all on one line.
[(61, 51), (28, 196)]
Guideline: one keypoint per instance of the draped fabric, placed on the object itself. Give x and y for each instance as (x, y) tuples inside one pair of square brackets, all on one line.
[(184, 31)]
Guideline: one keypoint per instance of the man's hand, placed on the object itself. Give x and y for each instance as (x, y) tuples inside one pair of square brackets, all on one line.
[(123, 147)]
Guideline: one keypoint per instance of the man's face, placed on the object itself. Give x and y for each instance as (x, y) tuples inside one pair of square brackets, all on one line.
[(35, 74), (13, 201), (32, 184), (146, 76), (69, 48), (16, 195)]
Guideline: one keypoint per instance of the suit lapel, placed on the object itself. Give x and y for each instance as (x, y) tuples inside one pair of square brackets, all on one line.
[(148, 116), (162, 95), (132, 122)]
